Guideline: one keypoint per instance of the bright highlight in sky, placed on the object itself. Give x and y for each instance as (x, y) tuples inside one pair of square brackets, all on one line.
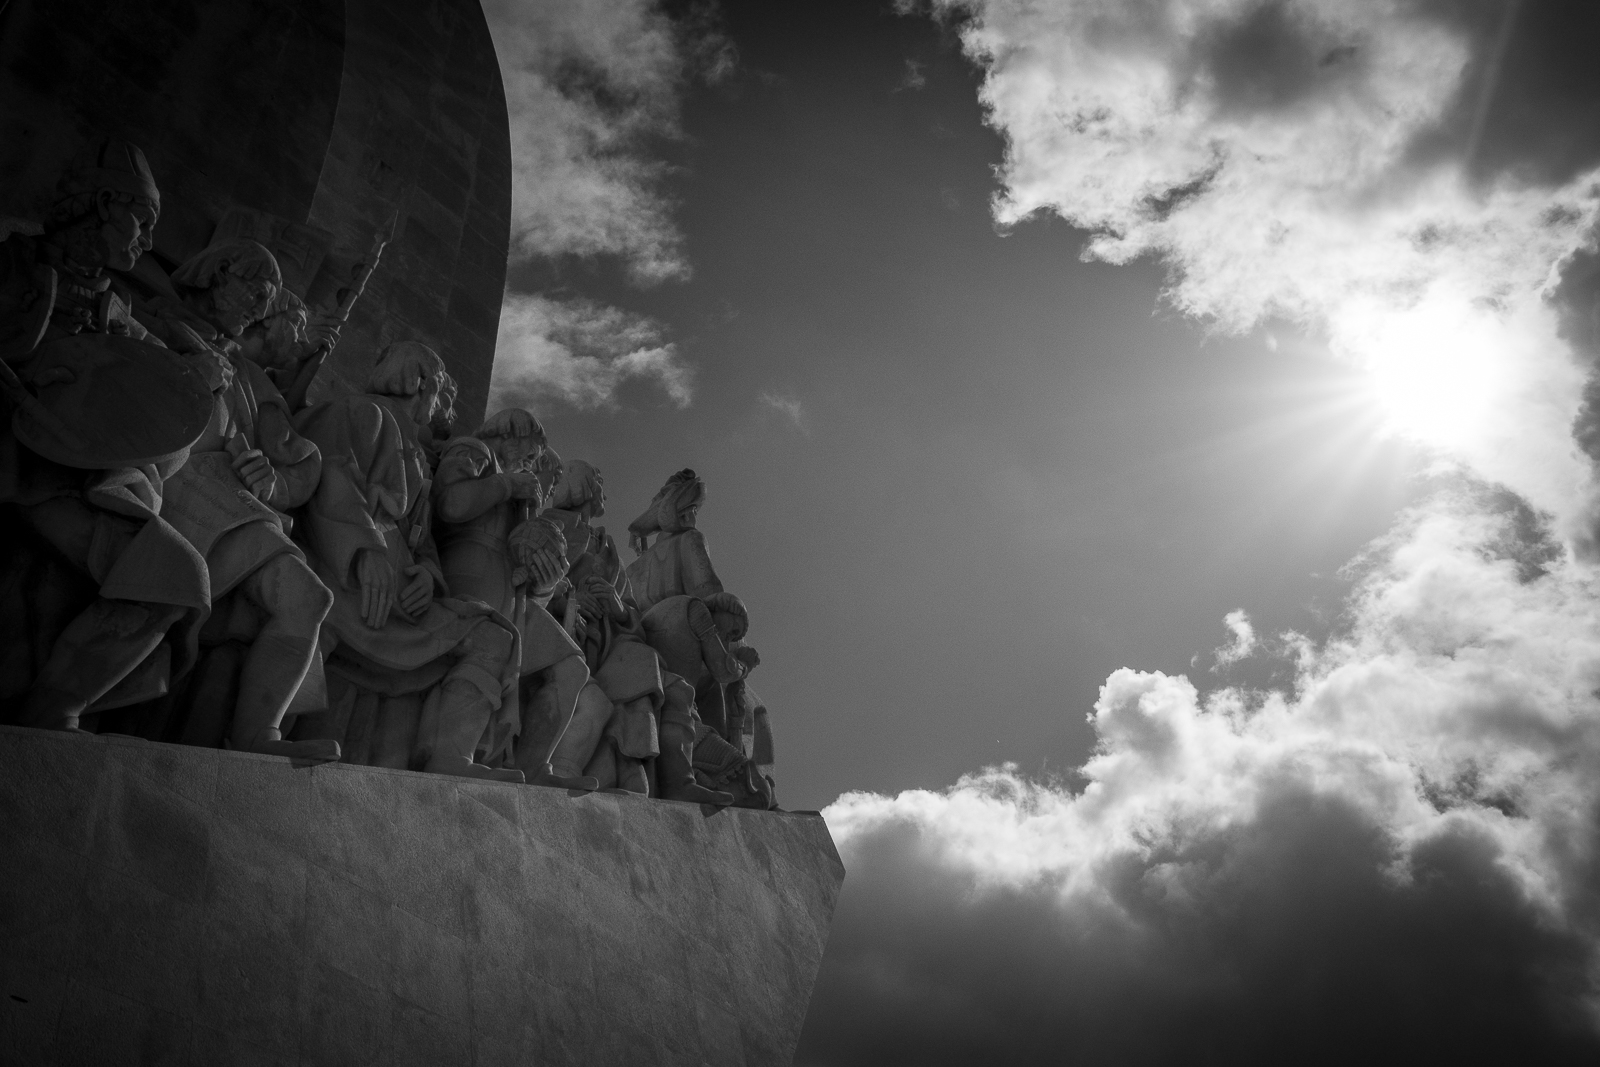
[(1434, 370)]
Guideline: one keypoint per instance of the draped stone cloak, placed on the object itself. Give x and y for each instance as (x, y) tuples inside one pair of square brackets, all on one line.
[(374, 494)]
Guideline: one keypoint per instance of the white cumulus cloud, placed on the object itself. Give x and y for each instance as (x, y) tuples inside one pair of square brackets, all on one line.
[(580, 352), (1394, 856), (592, 88)]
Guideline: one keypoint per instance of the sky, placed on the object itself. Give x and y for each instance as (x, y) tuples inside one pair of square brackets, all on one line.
[(1151, 439)]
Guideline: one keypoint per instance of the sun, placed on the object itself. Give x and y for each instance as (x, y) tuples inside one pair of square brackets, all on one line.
[(1433, 370)]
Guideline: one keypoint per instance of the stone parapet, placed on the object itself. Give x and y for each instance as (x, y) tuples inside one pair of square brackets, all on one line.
[(162, 904)]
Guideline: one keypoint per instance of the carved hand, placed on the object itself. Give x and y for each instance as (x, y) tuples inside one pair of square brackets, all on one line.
[(376, 575), (748, 656), (604, 597), (524, 486), (545, 570), (322, 331), (256, 472), (418, 593)]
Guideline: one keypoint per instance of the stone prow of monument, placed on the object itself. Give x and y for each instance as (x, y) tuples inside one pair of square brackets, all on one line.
[(172, 904), (166, 904)]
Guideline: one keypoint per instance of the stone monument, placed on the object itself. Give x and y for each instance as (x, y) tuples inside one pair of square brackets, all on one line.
[(330, 731)]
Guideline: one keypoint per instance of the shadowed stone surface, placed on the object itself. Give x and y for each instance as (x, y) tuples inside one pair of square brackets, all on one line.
[(188, 906), (332, 113)]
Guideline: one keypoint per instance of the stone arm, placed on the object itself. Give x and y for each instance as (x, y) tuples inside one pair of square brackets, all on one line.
[(724, 666)]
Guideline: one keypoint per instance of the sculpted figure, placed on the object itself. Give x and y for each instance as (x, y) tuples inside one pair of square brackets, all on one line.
[(486, 488), (228, 500), (393, 627), (697, 641), (93, 503), (677, 562), (286, 342), (613, 732)]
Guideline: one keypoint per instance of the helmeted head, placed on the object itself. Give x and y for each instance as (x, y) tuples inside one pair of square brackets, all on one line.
[(516, 437), (108, 192), (412, 370), (729, 613), (580, 484), (236, 280), (673, 509)]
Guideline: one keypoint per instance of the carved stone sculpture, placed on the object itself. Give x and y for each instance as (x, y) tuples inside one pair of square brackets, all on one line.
[(228, 500), (693, 638), (129, 577), (676, 562), (614, 730), (393, 627), (486, 488)]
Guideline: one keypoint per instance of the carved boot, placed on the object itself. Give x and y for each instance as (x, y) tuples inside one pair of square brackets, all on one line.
[(268, 741), (273, 670), (675, 768), (97, 649), (721, 766), (548, 776), (450, 734), (581, 741), (547, 713)]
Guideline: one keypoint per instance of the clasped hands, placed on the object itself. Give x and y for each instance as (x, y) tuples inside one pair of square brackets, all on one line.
[(378, 588), (599, 599)]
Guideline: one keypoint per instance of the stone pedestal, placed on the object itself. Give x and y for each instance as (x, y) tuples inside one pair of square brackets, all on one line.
[(169, 905)]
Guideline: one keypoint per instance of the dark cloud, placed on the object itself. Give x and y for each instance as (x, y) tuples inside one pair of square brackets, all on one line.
[(1537, 96), (1289, 939)]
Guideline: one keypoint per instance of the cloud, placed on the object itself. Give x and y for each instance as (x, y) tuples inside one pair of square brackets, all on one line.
[(592, 86), (1271, 155), (787, 406), (1393, 855), (1244, 639), (580, 352), (593, 90), (1392, 859), (913, 78)]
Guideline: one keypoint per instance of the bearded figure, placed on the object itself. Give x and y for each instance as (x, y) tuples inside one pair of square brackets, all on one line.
[(395, 630), (492, 549), (94, 417)]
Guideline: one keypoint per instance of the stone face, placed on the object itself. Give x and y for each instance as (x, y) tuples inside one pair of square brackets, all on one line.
[(167, 904)]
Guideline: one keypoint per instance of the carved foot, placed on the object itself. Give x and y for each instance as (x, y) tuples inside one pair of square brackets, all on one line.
[(462, 767), (270, 743), (564, 781), (699, 794)]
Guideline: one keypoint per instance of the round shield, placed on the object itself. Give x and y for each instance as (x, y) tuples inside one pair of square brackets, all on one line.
[(110, 401)]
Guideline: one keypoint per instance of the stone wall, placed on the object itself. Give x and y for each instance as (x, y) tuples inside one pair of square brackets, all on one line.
[(170, 905), (334, 113)]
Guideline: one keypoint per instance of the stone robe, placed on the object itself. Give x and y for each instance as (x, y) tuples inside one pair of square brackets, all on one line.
[(677, 564), (375, 494)]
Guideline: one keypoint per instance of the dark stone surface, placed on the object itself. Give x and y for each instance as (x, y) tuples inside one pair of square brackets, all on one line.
[(232, 103), (332, 113), (187, 906), (422, 129)]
